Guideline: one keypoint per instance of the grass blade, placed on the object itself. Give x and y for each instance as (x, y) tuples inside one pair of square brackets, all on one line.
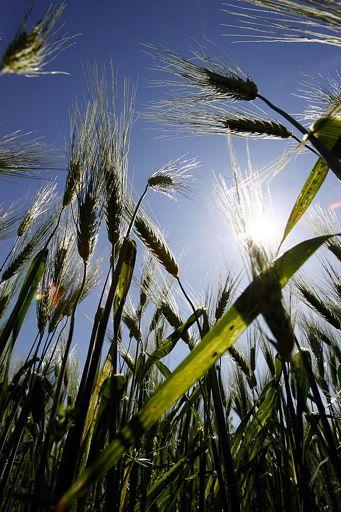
[(26, 295), (167, 345), (328, 131), (203, 356), (306, 196)]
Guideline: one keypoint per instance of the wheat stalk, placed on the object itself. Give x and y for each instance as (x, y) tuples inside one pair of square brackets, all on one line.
[(80, 150), (9, 220), (29, 246), (113, 136), (173, 177), (145, 281), (131, 319), (89, 214), (203, 119), (22, 158), (7, 291), (42, 202), (211, 79), (32, 50), (154, 240)]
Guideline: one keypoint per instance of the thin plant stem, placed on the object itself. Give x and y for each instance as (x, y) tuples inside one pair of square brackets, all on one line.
[(9, 254), (55, 228), (332, 161), (131, 224), (307, 146), (54, 408), (190, 303)]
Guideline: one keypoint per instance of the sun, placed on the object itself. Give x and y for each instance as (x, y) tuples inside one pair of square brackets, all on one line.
[(262, 229)]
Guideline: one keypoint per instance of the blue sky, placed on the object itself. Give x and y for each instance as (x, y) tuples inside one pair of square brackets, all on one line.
[(113, 30)]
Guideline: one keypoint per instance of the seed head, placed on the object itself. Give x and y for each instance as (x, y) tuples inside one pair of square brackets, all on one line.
[(20, 157), (9, 219), (7, 291), (114, 135), (42, 202), (172, 178), (31, 50), (152, 237), (323, 95), (30, 245), (89, 214), (80, 151), (203, 119), (207, 79)]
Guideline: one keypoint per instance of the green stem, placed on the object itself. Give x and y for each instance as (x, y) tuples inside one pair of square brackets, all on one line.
[(48, 437), (136, 210), (332, 161), (191, 304), (55, 228), (9, 254)]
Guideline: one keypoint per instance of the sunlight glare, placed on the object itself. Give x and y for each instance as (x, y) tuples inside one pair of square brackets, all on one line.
[(263, 230)]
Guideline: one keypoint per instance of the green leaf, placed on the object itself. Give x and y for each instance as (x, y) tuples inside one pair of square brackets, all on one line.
[(224, 333), (167, 345), (327, 131), (163, 369), (33, 280), (170, 476), (27, 292), (123, 285), (100, 418), (124, 279), (301, 377), (307, 194), (247, 436)]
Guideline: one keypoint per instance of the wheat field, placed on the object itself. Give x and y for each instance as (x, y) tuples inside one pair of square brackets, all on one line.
[(252, 425)]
